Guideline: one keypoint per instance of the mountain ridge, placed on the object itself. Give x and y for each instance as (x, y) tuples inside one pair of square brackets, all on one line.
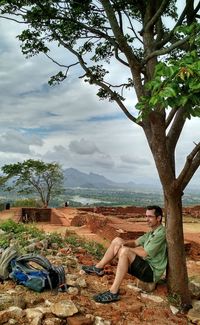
[(74, 178)]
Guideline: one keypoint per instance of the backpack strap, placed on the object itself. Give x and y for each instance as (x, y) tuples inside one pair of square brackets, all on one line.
[(7, 256), (38, 259)]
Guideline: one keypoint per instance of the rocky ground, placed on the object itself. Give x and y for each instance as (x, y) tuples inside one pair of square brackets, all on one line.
[(76, 306)]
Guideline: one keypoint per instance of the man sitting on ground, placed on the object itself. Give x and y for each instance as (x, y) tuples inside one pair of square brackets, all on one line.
[(147, 263)]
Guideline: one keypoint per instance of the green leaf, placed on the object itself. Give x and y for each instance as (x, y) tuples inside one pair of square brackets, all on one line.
[(154, 100), (168, 92)]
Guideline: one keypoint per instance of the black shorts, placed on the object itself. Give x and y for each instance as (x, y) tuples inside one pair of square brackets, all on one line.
[(141, 269)]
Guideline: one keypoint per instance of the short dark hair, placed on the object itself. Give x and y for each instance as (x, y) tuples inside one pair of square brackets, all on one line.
[(157, 209)]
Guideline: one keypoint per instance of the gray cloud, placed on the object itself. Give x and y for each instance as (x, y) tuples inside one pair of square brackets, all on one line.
[(83, 147), (134, 160), (16, 142), (105, 162)]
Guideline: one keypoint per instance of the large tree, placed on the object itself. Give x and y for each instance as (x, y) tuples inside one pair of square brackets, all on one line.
[(34, 177), (156, 44)]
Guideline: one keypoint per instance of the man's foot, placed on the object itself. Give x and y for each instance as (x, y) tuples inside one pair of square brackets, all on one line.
[(106, 297), (93, 269)]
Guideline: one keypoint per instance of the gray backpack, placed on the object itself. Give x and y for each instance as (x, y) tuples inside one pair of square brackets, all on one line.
[(37, 273), (5, 262)]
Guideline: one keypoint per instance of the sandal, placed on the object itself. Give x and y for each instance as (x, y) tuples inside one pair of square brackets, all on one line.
[(106, 297), (93, 269)]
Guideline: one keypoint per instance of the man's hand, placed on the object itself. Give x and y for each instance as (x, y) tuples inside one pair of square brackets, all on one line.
[(137, 249), (130, 243)]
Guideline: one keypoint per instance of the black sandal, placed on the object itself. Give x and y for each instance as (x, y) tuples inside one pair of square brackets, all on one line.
[(106, 297), (93, 269)]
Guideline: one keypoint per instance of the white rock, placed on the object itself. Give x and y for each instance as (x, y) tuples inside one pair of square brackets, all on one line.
[(80, 282), (52, 321), (73, 291), (43, 310), (64, 308), (34, 316), (81, 272), (12, 321), (133, 287), (152, 297), (47, 303), (196, 304), (16, 311), (71, 279), (174, 310), (101, 321)]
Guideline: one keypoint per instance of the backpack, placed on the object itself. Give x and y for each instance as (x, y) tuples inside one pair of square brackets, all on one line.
[(5, 262), (37, 273)]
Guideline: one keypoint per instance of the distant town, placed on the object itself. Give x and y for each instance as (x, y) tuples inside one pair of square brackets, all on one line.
[(95, 190)]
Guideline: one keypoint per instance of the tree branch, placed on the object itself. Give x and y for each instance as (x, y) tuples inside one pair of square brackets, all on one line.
[(98, 82), (119, 59), (60, 65), (191, 165), (179, 22), (132, 28), (176, 128), (12, 19), (165, 50), (117, 100), (170, 116), (134, 64), (125, 48), (157, 15)]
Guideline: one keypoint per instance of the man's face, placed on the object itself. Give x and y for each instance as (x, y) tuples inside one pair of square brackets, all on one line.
[(152, 220)]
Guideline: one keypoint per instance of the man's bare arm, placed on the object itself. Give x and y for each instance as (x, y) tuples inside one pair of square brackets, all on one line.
[(139, 250), (130, 243)]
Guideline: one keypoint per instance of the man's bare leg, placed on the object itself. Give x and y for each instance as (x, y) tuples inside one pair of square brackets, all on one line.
[(126, 257), (111, 252)]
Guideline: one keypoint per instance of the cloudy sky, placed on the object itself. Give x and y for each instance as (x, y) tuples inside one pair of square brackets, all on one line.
[(67, 123)]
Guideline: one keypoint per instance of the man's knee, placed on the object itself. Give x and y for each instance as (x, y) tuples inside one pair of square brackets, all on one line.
[(124, 251), (117, 241), (117, 245)]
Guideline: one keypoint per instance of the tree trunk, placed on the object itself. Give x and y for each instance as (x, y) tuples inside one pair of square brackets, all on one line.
[(177, 269)]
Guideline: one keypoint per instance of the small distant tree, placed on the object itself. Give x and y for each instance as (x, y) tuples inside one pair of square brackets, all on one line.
[(34, 177)]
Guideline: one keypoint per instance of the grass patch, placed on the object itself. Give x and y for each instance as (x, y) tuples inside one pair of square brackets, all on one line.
[(174, 299), (23, 234), (91, 247)]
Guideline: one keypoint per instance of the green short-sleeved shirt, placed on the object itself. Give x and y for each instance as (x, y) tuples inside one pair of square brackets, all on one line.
[(154, 244)]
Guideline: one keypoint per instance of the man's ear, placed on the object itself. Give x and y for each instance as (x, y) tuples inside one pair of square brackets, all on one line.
[(159, 218)]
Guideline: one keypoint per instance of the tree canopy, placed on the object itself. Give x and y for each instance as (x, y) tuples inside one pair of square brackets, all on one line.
[(35, 177), (133, 34)]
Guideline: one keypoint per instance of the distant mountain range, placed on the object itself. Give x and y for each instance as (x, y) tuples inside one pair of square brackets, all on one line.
[(74, 178)]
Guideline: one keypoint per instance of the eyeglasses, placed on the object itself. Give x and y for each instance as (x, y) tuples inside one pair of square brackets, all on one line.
[(150, 216)]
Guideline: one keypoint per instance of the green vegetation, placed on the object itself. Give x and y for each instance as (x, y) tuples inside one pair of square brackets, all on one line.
[(174, 299), (34, 177), (27, 202), (23, 234), (91, 247)]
